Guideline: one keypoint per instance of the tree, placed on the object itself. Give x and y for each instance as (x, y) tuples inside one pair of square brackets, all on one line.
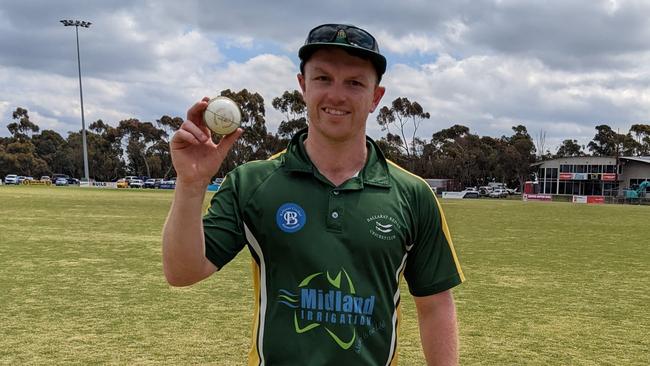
[(23, 128), (391, 146), (19, 157), (642, 135), (139, 138), (170, 126), (569, 148), (455, 153), (19, 154), (450, 134), (106, 154), (627, 145), (520, 153), (606, 142), (54, 150), (401, 112), (292, 105)]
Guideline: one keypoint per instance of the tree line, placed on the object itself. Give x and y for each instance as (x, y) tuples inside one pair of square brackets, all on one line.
[(141, 148)]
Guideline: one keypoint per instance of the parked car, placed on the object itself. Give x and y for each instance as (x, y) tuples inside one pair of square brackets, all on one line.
[(61, 181), (151, 182), (498, 193), (57, 176), (136, 183), (122, 183), (46, 178), (129, 178), (11, 179), (484, 191), (74, 181)]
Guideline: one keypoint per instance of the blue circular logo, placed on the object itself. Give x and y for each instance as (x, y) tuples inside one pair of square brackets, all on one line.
[(290, 217)]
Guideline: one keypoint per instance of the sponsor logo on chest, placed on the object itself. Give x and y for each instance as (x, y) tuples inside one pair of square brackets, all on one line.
[(330, 306), (290, 217), (383, 227)]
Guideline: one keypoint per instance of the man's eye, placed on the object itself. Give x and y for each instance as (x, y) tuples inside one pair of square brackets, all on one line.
[(321, 78)]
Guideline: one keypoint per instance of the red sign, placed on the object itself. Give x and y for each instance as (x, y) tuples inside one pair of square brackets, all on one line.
[(595, 199), (609, 176), (566, 176)]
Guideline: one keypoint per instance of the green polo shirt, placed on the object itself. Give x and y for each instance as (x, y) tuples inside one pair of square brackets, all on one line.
[(327, 260)]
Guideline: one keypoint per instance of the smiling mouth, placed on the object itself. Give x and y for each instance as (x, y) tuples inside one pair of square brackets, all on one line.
[(334, 112)]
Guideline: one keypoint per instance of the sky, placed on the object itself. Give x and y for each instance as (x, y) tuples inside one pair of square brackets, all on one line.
[(559, 67)]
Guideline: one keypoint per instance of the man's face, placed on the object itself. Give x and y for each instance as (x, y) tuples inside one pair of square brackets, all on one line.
[(340, 90)]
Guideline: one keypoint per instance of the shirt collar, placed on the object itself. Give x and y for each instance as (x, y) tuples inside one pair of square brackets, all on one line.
[(375, 172)]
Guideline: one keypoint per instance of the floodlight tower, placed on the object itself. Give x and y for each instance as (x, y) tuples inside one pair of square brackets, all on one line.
[(76, 24)]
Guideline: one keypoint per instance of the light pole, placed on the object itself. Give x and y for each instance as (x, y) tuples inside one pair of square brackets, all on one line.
[(76, 24)]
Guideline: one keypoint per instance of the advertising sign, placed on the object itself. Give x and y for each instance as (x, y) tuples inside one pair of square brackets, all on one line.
[(589, 199), (453, 195), (609, 176), (595, 199), (537, 197), (579, 199)]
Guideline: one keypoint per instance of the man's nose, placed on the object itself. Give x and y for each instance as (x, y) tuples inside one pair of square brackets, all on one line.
[(336, 93)]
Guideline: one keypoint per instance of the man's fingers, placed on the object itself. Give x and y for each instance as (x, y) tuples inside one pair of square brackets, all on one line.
[(185, 137), (195, 113), (198, 132)]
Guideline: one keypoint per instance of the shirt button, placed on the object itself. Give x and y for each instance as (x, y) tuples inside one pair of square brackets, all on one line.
[(335, 215), (336, 193)]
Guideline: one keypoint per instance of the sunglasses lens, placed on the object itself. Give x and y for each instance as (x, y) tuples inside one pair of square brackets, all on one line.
[(361, 38), (355, 36), (324, 33)]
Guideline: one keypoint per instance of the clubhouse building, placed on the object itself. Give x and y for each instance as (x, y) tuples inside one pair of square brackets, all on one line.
[(591, 175)]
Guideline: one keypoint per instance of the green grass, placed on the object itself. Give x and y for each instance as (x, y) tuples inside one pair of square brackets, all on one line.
[(547, 284)]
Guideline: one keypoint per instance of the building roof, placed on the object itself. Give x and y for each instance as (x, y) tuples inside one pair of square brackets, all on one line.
[(641, 159)]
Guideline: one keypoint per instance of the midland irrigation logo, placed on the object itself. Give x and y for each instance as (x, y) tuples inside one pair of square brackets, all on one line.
[(330, 309)]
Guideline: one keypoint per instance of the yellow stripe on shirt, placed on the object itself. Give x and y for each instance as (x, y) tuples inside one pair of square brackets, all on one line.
[(445, 228)]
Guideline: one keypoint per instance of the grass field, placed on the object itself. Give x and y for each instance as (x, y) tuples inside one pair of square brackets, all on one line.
[(547, 284)]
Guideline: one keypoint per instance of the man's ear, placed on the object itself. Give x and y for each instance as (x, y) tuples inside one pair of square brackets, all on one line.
[(378, 94), (301, 81)]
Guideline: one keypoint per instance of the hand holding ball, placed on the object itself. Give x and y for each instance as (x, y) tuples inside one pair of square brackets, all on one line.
[(222, 115)]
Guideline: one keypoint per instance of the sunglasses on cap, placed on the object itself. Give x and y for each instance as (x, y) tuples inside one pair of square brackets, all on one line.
[(339, 33), (346, 36)]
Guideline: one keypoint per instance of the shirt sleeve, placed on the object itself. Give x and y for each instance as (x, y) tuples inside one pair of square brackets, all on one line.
[(431, 264), (222, 224)]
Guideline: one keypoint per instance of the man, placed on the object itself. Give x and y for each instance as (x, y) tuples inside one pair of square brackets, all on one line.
[(330, 223)]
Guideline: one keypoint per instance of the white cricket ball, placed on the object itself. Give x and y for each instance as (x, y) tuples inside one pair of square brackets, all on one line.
[(222, 115)]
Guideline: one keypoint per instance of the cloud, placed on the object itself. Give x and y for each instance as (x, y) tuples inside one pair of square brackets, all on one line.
[(571, 35), (557, 66), (490, 94)]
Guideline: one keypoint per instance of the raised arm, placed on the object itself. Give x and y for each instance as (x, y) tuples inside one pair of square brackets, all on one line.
[(196, 159)]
